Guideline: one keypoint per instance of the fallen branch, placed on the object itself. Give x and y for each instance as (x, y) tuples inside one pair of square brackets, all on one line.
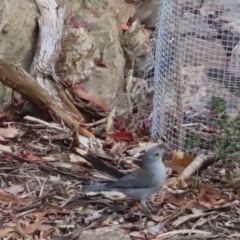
[(26, 85)]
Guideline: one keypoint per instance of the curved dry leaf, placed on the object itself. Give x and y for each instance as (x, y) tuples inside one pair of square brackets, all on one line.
[(195, 165), (77, 159), (4, 232), (209, 189), (171, 182), (174, 166), (32, 227), (112, 195), (86, 133), (137, 234), (182, 158), (91, 98), (46, 233), (9, 197)]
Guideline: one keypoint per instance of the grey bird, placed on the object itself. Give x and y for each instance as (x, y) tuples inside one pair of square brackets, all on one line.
[(142, 182)]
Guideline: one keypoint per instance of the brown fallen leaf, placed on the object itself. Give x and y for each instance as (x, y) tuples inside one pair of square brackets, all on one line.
[(4, 232), (45, 234), (171, 182), (31, 228), (9, 197), (193, 167), (174, 166), (90, 97), (206, 197), (182, 158), (40, 215), (209, 189), (86, 133)]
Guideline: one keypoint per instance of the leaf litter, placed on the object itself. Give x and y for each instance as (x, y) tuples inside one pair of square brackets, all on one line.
[(42, 176)]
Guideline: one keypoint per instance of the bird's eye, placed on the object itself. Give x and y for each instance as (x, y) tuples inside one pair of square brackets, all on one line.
[(156, 154)]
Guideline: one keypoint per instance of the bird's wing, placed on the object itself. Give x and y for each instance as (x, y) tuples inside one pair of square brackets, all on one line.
[(136, 179)]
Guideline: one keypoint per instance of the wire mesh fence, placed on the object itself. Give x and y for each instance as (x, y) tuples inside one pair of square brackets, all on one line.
[(197, 75)]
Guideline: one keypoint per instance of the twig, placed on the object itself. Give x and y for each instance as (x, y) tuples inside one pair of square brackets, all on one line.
[(26, 208), (101, 121), (36, 203), (49, 125), (44, 166), (175, 215)]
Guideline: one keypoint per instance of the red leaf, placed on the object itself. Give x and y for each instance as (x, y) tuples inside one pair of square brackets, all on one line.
[(31, 156), (124, 26), (99, 62), (18, 100), (79, 86), (81, 93), (125, 136)]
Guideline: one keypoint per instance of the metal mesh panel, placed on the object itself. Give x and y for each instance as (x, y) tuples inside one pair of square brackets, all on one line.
[(197, 75)]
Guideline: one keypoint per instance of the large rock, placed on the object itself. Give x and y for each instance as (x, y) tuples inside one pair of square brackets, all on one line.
[(83, 48), (147, 13), (91, 51), (17, 36)]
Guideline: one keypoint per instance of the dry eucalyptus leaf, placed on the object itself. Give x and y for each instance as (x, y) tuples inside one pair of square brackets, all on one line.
[(143, 146), (112, 195), (8, 197), (5, 148), (110, 122), (194, 166), (182, 158), (15, 189), (5, 232), (9, 132), (78, 159)]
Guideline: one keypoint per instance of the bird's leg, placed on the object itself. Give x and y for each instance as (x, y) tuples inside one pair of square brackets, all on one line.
[(143, 202)]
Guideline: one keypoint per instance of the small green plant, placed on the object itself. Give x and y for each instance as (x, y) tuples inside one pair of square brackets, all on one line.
[(194, 141), (229, 177), (197, 179), (218, 105), (226, 138)]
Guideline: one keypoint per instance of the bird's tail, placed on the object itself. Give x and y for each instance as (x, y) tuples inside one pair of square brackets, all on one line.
[(94, 188)]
